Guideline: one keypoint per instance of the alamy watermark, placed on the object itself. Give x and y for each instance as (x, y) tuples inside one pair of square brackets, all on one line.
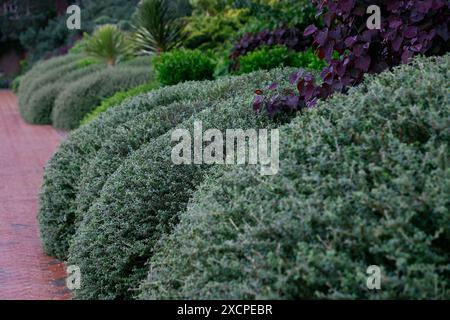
[(73, 22), (239, 147), (73, 280), (374, 279), (374, 21)]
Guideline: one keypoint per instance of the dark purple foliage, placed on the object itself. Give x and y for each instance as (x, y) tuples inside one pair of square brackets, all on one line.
[(290, 37), (408, 28)]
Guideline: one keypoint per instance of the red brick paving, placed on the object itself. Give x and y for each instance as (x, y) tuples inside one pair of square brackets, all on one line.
[(25, 271)]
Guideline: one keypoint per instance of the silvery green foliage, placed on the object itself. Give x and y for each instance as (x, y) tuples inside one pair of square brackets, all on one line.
[(42, 67), (40, 105), (364, 180), (82, 96), (70, 170), (140, 201), (40, 86), (43, 74)]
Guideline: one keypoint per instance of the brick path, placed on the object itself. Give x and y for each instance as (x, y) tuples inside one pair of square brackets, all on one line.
[(25, 271)]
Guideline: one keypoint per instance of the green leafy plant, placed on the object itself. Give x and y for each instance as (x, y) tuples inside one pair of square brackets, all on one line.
[(265, 58), (157, 27), (16, 84), (271, 57), (86, 62), (217, 32), (307, 59), (183, 65), (108, 44)]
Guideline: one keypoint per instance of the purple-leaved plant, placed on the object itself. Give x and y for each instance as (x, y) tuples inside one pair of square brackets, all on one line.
[(408, 28)]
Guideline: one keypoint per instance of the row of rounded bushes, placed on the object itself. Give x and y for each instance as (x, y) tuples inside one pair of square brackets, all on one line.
[(363, 181), (63, 90), (81, 97), (65, 171)]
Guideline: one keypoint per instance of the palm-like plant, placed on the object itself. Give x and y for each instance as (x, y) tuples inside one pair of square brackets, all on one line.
[(157, 27), (107, 43)]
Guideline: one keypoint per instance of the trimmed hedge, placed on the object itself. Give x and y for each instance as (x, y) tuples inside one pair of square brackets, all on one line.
[(181, 65), (45, 77), (364, 180), (57, 205), (40, 105), (140, 201), (118, 98), (82, 96)]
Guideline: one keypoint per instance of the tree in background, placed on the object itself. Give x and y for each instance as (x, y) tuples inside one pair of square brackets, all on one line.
[(158, 28), (51, 37), (107, 44)]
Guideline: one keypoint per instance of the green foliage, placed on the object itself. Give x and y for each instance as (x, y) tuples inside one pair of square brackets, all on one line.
[(210, 6), (307, 59), (273, 14), (78, 47), (86, 62), (42, 75), (107, 44), (82, 96), (117, 99), (63, 174), (28, 15), (158, 29), (156, 190), (16, 84), (40, 105), (183, 65), (364, 180), (46, 80), (267, 58), (215, 32), (54, 37)]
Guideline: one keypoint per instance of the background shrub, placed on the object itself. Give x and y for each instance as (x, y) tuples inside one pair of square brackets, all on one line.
[(292, 38), (53, 37), (16, 84), (273, 14), (363, 181), (183, 65), (267, 58), (86, 62), (308, 59), (40, 105), (108, 44), (43, 73), (81, 97), (214, 31), (117, 99)]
